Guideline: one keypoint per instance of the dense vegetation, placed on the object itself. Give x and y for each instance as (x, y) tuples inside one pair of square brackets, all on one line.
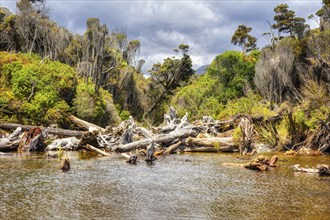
[(98, 77), (40, 91)]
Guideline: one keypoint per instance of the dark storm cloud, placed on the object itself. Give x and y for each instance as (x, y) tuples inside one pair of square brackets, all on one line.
[(207, 26)]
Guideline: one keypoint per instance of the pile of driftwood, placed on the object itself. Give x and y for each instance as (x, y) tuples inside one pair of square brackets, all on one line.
[(133, 141), (177, 134)]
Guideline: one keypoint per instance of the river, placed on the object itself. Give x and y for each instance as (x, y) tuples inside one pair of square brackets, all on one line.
[(187, 186)]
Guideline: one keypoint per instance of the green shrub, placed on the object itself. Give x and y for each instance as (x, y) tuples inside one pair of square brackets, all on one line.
[(252, 105), (34, 89), (124, 115)]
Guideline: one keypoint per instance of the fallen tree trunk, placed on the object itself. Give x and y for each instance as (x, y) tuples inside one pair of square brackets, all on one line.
[(159, 139), (84, 124), (200, 149), (232, 148), (11, 142), (96, 150), (171, 149), (210, 142), (55, 131), (71, 143)]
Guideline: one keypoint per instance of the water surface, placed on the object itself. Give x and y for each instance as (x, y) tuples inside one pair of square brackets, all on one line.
[(189, 186)]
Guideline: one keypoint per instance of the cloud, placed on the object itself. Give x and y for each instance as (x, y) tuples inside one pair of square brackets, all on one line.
[(160, 26)]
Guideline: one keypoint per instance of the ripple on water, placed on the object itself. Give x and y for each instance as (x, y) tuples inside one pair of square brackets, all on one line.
[(189, 186)]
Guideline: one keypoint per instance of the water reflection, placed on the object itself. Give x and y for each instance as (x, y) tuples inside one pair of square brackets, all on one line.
[(190, 186)]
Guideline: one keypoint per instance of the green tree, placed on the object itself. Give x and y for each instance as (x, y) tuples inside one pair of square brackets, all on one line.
[(173, 72), (324, 14), (234, 72), (284, 19), (168, 76), (244, 39), (300, 27)]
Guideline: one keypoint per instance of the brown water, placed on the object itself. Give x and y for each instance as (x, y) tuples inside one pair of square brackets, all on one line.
[(189, 186)]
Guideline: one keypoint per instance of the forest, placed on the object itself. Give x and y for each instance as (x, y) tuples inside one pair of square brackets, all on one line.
[(48, 73)]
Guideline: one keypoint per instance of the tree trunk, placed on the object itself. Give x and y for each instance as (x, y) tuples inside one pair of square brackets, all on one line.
[(96, 150), (201, 149), (210, 142), (171, 149), (232, 148), (159, 139), (55, 131), (71, 143), (84, 124), (11, 142)]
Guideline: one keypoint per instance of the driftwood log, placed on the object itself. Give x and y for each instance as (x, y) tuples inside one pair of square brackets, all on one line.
[(84, 125), (11, 142), (321, 169), (201, 149), (262, 163), (70, 143), (55, 131), (172, 148), (159, 139), (324, 170), (96, 150), (210, 142)]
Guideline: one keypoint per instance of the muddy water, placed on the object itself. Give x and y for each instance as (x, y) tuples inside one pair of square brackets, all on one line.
[(189, 186)]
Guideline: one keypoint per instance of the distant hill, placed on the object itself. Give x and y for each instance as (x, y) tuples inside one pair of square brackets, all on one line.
[(201, 70)]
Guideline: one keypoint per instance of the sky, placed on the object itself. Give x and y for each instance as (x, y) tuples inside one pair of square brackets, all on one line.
[(160, 26)]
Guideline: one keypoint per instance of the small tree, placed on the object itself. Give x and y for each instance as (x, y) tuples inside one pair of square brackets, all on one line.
[(324, 14), (169, 75), (284, 19), (244, 39), (300, 27)]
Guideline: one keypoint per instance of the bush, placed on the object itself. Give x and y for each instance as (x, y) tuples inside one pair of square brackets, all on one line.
[(36, 90), (235, 72), (252, 105), (198, 98)]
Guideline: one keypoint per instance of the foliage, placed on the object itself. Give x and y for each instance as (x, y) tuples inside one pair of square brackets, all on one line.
[(252, 105), (235, 72), (244, 39), (36, 89), (287, 22), (227, 78), (166, 77), (173, 72), (124, 115), (95, 107), (315, 95), (198, 98), (238, 135), (269, 135)]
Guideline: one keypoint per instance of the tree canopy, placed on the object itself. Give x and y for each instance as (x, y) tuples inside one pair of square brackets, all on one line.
[(287, 22), (244, 39)]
